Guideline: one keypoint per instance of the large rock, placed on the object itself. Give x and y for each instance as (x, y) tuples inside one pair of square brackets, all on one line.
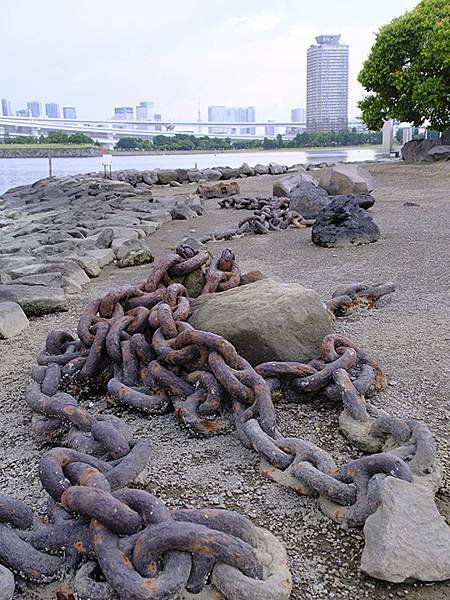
[(346, 178), (12, 319), (35, 300), (418, 150), (211, 174), (181, 211), (7, 584), (283, 186), (406, 538), (133, 252), (149, 177), (261, 169), (165, 176), (276, 168), (342, 223), (265, 320), (308, 199), (50, 279), (439, 152)]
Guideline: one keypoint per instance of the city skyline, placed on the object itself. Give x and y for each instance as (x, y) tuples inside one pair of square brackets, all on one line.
[(252, 52)]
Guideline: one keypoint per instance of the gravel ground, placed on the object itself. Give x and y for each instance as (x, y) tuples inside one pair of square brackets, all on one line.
[(407, 332)]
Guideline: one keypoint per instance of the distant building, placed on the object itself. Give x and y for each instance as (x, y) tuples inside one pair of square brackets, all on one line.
[(158, 117), (231, 114), (269, 129), (123, 113), (298, 115), (69, 112), (327, 85), (145, 111), (23, 112), (52, 110), (6, 108), (35, 108)]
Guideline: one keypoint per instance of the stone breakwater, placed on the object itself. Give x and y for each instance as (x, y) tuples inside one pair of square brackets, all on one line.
[(7, 152)]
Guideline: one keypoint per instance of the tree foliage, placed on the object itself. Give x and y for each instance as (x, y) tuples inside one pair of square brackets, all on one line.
[(186, 142), (408, 70)]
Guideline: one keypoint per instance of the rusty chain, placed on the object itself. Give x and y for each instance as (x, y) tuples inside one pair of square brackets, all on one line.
[(136, 342)]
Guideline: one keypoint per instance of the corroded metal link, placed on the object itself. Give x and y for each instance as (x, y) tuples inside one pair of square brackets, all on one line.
[(15, 513), (213, 389), (109, 301), (314, 383), (139, 323), (350, 290), (56, 341), (87, 319), (173, 384), (79, 473), (160, 268), (351, 400), (130, 364), (61, 405), (147, 299), (128, 468), (113, 339), (21, 557), (425, 449), (188, 411), (52, 378), (126, 581), (145, 402), (95, 352), (100, 504), (393, 426), (266, 446), (51, 469), (189, 264), (227, 378), (290, 369), (191, 537)]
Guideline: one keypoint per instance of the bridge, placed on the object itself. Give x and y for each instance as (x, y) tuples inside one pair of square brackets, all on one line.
[(107, 132)]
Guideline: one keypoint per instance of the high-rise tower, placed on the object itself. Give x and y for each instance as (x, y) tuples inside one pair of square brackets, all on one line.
[(327, 85)]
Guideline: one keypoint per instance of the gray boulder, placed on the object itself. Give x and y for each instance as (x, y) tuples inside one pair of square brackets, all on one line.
[(246, 169), (228, 173), (283, 186), (12, 320), (265, 320), (418, 150), (346, 178), (182, 175), (103, 256), (165, 176), (182, 210), (342, 223), (149, 177), (211, 174), (132, 253), (35, 300), (261, 169), (275, 168), (439, 152), (444, 140), (50, 279), (308, 199), (406, 538), (194, 175)]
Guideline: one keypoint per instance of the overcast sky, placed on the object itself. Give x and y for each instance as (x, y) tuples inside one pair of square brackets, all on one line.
[(97, 54)]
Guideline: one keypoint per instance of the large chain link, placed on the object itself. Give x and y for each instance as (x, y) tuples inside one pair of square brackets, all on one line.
[(136, 341)]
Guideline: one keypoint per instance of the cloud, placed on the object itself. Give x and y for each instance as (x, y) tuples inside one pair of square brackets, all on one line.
[(257, 23)]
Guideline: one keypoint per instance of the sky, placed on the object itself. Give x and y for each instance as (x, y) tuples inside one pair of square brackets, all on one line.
[(97, 54)]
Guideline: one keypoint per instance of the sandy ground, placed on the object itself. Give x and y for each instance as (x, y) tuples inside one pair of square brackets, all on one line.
[(407, 332)]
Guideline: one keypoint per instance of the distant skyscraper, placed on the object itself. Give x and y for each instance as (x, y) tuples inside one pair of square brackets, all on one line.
[(298, 115), (231, 114), (327, 85), (145, 111), (35, 108), (69, 112), (123, 113), (6, 108), (52, 110)]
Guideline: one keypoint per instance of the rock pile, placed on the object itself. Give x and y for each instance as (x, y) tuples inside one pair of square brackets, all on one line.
[(58, 233), (427, 150)]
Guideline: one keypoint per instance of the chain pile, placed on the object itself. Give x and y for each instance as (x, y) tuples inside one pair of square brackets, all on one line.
[(269, 214), (356, 296), (137, 342)]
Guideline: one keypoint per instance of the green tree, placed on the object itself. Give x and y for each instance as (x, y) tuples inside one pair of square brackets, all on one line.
[(408, 70)]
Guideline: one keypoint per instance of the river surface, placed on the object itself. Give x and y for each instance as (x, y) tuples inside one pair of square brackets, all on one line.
[(20, 171)]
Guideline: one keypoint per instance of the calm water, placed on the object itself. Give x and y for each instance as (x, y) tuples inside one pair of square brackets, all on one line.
[(19, 171)]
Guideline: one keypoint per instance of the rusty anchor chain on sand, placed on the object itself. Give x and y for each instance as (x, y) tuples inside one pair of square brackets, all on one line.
[(136, 341)]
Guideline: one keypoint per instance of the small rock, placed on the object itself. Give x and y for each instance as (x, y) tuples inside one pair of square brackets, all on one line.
[(35, 300), (132, 253), (12, 321), (406, 538), (105, 239), (346, 178)]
